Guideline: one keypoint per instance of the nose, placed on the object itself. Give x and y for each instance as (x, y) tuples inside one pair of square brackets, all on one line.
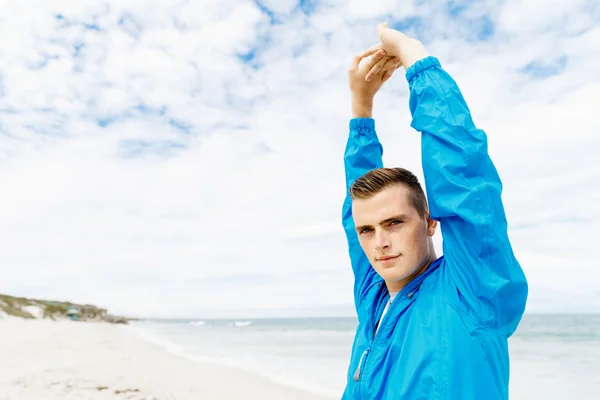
[(381, 240)]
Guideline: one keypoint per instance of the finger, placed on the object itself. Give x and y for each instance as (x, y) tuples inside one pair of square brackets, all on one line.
[(370, 51), (390, 64), (388, 74), (378, 67), (372, 60), (383, 65)]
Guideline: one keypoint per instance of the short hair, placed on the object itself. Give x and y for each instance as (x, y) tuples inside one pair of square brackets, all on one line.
[(374, 181)]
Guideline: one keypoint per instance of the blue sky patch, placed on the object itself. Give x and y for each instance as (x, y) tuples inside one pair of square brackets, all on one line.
[(482, 28), (540, 70), (92, 27), (307, 6), (251, 56), (45, 59), (104, 122), (267, 11)]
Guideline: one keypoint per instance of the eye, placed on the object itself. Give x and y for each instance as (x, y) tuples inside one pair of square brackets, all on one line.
[(365, 230), (395, 222)]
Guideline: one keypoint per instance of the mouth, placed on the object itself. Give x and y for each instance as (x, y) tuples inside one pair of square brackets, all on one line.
[(386, 259)]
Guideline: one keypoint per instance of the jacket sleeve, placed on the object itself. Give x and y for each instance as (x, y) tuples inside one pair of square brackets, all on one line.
[(464, 194), (363, 153)]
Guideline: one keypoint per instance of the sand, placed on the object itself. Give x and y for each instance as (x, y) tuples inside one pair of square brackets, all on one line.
[(46, 360)]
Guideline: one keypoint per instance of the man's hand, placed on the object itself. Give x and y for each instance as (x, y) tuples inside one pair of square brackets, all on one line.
[(362, 91), (396, 43)]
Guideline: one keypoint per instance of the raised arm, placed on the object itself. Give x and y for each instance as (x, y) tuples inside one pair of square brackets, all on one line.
[(363, 152), (463, 189), (464, 194)]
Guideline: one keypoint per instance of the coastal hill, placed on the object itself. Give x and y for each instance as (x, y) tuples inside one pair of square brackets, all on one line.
[(36, 309)]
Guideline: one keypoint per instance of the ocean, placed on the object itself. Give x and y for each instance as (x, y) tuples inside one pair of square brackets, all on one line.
[(552, 356)]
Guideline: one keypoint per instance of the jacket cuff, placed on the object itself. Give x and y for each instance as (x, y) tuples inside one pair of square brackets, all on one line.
[(420, 66), (362, 123)]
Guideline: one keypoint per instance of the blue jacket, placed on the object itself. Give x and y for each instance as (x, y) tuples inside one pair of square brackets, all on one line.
[(445, 336)]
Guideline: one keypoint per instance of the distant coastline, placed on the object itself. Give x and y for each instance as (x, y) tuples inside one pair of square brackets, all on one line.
[(26, 308)]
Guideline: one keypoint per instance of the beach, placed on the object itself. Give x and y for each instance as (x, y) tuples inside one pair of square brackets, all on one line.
[(46, 360), (552, 357)]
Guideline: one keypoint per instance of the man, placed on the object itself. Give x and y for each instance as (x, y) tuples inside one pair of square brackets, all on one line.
[(429, 327)]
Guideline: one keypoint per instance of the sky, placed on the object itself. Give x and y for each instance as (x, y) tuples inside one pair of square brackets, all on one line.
[(185, 159)]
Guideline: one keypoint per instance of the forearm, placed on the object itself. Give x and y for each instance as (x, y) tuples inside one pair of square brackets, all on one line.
[(363, 153), (454, 150), (362, 108), (363, 150)]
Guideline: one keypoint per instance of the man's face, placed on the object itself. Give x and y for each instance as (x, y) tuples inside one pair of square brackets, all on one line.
[(393, 235)]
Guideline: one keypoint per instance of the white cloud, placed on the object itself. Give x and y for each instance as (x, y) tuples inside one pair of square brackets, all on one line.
[(147, 168), (534, 16), (280, 6), (357, 9)]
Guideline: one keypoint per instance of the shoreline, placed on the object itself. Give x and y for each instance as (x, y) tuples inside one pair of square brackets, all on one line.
[(176, 350), (95, 360)]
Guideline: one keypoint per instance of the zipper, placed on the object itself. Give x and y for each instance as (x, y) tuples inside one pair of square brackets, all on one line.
[(362, 360), (371, 336), (413, 286), (357, 372)]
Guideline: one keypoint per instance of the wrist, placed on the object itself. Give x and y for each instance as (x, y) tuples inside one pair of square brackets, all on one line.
[(415, 57), (362, 108)]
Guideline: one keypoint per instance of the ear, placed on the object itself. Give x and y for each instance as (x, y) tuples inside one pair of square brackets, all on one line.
[(431, 224)]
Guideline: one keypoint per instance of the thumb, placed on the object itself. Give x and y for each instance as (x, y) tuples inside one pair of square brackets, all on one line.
[(381, 28)]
